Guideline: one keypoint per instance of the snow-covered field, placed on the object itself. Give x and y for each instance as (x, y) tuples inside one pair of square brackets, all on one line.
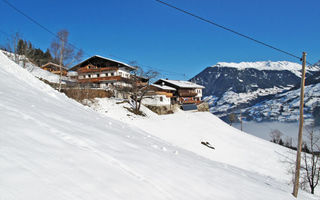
[(52, 147)]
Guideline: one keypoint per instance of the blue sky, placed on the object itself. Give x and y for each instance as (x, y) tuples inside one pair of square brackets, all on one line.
[(164, 39)]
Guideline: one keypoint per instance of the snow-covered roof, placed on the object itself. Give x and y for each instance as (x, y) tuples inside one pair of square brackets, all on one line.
[(125, 64), (182, 84), (72, 73), (105, 58), (163, 87), (53, 64)]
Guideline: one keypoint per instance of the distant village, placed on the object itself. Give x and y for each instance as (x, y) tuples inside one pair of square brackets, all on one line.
[(103, 73)]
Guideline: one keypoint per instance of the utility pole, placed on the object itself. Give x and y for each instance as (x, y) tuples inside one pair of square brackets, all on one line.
[(298, 161)]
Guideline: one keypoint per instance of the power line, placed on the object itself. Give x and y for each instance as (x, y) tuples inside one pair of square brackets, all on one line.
[(228, 29), (38, 24), (150, 67), (146, 66), (4, 33), (55, 35), (41, 26)]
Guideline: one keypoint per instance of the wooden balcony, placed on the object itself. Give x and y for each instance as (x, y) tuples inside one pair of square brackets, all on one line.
[(164, 93), (86, 70), (188, 101), (187, 93), (100, 79), (64, 73)]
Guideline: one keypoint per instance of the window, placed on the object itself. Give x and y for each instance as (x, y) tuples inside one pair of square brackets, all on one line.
[(98, 75), (112, 74), (161, 99)]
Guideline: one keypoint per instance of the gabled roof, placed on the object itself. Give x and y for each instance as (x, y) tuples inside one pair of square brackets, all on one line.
[(122, 64), (53, 64), (181, 84), (163, 87)]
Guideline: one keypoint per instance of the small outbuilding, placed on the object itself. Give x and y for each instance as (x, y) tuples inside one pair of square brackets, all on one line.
[(159, 95), (185, 92), (54, 68)]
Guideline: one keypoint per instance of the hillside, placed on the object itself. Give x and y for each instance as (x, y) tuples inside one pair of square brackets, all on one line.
[(284, 107), (55, 148), (234, 86), (33, 68)]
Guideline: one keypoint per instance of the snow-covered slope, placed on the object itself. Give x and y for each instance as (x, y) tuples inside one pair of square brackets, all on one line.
[(188, 129), (32, 68), (51, 147), (284, 107)]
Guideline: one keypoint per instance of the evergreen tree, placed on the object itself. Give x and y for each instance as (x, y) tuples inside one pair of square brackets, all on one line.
[(47, 56), (21, 47), (35, 55)]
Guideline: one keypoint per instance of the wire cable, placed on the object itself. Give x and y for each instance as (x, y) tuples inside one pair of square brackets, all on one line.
[(4, 33), (74, 46), (40, 25), (228, 29), (167, 72), (150, 67)]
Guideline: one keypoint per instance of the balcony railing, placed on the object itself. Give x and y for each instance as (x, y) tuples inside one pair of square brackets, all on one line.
[(100, 79), (64, 73), (164, 93), (187, 93), (188, 100), (86, 70)]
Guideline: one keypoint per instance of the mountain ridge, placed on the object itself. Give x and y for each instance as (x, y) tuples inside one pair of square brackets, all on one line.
[(231, 87)]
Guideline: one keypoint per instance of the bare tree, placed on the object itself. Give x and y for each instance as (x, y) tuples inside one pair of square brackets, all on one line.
[(288, 142), (12, 44), (63, 52), (276, 136), (310, 162), (137, 87)]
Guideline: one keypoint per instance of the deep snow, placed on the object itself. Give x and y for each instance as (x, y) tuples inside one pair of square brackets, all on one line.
[(52, 147), (188, 129)]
